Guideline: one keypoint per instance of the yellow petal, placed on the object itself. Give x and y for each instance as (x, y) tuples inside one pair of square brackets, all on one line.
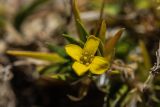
[(91, 45), (99, 65), (79, 68), (74, 51)]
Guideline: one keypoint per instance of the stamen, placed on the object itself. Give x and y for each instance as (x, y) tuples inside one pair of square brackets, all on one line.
[(85, 58), (87, 63), (81, 62), (92, 56), (91, 59), (85, 53)]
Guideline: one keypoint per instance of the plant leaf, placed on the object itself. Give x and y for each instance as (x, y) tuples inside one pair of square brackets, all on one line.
[(72, 40), (80, 28), (50, 69), (51, 57), (110, 45), (83, 34), (57, 49), (119, 95), (101, 35)]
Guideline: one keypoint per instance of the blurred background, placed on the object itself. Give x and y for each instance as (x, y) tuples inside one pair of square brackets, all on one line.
[(30, 24)]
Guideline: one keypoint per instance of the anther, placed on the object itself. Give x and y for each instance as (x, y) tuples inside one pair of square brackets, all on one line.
[(81, 62), (91, 59), (85, 58), (85, 53), (92, 56), (87, 63)]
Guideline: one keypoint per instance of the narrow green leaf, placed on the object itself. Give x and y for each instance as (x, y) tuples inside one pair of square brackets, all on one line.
[(73, 40), (58, 76), (80, 28), (121, 93), (51, 57), (56, 49), (111, 43), (53, 71), (48, 69), (56, 71), (83, 34)]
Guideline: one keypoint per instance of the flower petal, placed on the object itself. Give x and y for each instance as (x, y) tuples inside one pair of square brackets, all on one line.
[(91, 45), (79, 68), (74, 51), (99, 65)]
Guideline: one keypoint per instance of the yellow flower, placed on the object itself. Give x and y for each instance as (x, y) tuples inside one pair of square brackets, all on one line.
[(85, 59)]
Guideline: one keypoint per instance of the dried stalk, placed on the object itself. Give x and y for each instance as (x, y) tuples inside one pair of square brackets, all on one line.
[(154, 70)]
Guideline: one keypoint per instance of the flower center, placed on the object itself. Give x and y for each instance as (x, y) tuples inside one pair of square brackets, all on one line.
[(86, 58)]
